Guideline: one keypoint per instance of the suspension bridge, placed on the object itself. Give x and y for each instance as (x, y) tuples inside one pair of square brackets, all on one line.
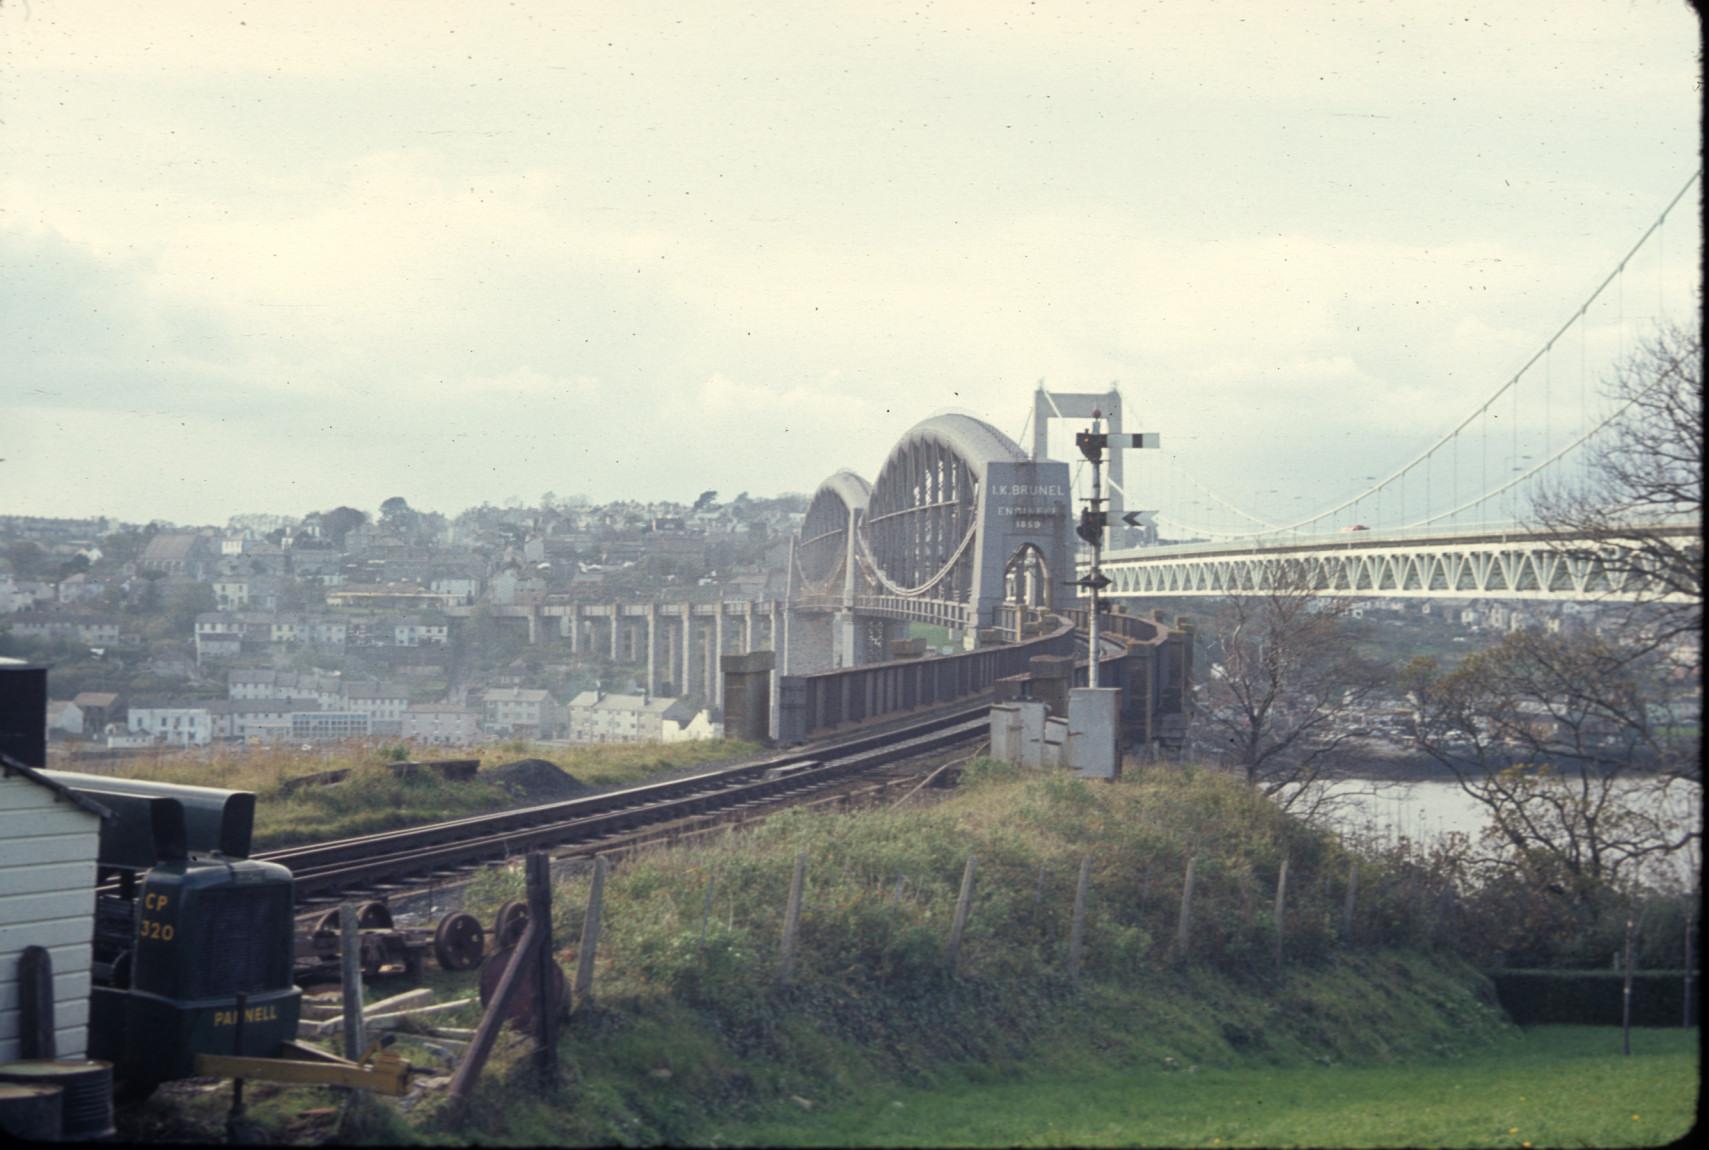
[(964, 528)]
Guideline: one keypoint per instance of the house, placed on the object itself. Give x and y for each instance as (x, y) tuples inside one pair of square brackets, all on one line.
[(90, 630), (218, 645), (175, 553), (329, 726), (441, 724), (464, 587), (520, 711), (80, 588), (380, 702), (241, 592), (22, 594), (317, 563), (706, 724), (117, 736), (252, 685), (176, 724), (64, 716), (327, 631), (99, 708), (49, 841), (509, 587), (597, 717), (416, 632)]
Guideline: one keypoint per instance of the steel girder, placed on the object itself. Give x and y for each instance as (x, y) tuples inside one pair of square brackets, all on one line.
[(1523, 566)]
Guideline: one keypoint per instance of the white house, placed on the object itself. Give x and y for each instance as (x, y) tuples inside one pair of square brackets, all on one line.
[(49, 839), (442, 724), (520, 711), (176, 725), (378, 701), (701, 726), (596, 717), (64, 716)]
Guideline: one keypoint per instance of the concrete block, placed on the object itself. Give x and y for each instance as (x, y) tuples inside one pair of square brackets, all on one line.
[(1033, 715), (1094, 724), (1051, 746), (747, 695), (1005, 733), (791, 710)]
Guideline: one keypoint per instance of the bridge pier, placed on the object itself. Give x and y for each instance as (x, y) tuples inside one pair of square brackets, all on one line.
[(809, 643)]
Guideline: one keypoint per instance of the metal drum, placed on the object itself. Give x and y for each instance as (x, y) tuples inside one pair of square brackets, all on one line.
[(30, 1113), (88, 1092)]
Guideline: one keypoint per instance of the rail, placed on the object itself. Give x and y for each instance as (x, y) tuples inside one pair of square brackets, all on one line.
[(323, 869)]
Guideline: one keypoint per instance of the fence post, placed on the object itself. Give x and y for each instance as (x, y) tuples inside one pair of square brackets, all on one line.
[(590, 933), (1686, 1022), (1626, 991), (350, 970), (1352, 894), (706, 911), (1077, 931), (1183, 929), (791, 920), (539, 878), (963, 904), (1281, 904)]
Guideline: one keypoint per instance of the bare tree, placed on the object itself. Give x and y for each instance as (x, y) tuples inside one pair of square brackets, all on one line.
[(1285, 679), (1640, 503), (1576, 744), (1556, 737)]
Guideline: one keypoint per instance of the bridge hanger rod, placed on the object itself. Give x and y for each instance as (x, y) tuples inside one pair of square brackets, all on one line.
[(1518, 479), (1576, 316), (1199, 483)]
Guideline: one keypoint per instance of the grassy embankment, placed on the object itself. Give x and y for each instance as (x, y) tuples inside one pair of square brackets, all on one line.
[(875, 1042), (688, 1042), (375, 798)]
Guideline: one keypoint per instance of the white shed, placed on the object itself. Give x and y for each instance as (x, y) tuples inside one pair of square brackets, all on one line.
[(49, 841)]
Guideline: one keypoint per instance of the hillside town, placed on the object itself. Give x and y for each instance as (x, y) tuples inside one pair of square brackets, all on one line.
[(425, 630), (398, 625)]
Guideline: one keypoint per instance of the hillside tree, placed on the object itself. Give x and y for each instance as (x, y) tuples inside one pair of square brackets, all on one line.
[(1286, 680)]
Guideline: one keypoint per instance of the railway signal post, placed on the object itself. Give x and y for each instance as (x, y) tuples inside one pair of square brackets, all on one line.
[(1094, 713), (1094, 518)]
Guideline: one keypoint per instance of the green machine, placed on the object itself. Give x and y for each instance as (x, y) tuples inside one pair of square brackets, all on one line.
[(187, 928)]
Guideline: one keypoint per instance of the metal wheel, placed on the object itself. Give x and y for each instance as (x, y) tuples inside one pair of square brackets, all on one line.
[(528, 1001), (509, 924), (459, 942), (374, 915)]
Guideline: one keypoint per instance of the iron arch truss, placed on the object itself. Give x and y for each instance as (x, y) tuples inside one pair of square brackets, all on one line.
[(827, 532), (923, 515)]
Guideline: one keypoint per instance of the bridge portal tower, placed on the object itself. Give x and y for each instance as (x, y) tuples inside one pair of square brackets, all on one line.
[(1048, 405)]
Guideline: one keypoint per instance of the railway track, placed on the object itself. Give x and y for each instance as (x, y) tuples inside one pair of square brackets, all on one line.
[(326, 871)]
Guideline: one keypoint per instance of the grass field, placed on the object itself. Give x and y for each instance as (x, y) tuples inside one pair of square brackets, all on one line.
[(1548, 1086)]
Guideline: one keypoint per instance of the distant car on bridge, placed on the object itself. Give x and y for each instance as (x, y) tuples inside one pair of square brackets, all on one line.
[(1355, 527)]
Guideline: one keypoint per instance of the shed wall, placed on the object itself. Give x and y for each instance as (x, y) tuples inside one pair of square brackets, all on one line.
[(47, 898)]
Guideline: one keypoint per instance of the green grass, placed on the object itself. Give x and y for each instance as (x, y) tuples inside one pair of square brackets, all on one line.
[(1550, 1086), (685, 1040)]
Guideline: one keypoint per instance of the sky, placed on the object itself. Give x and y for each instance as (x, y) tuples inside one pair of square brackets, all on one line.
[(264, 257)]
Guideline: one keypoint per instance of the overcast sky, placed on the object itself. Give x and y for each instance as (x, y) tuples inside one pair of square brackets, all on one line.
[(282, 256)]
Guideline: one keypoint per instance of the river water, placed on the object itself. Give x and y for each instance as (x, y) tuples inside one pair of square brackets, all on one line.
[(1424, 810)]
